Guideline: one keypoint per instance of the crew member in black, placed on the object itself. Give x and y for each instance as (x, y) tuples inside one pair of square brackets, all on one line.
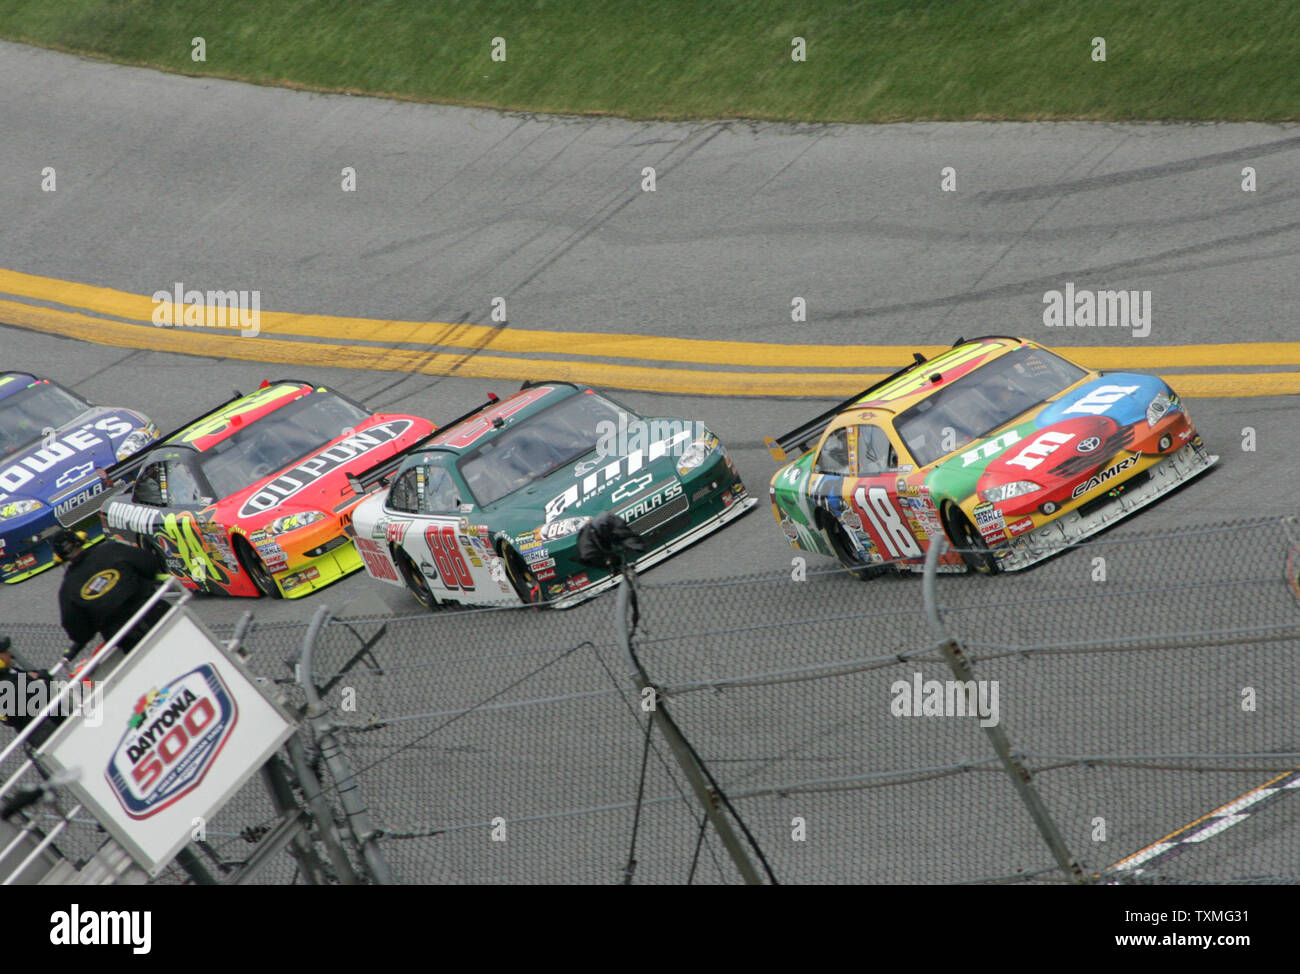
[(14, 704), (103, 588)]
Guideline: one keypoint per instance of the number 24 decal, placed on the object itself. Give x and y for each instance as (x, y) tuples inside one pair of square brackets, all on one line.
[(452, 568)]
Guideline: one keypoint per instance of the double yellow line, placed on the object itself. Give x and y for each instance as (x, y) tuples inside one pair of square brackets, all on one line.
[(643, 362)]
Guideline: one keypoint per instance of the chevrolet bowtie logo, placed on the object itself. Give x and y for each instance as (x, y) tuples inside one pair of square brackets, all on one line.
[(631, 487)]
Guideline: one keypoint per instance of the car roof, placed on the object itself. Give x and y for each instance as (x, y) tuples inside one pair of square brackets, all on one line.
[(227, 420), (14, 382), (472, 431)]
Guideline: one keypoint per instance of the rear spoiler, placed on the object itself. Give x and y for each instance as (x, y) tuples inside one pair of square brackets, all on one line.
[(798, 440), (369, 478)]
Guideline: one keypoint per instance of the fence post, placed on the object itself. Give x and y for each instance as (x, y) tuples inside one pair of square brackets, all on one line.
[(682, 752), (1020, 776), (336, 761)]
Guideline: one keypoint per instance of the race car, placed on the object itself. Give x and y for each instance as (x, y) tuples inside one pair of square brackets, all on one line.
[(488, 511), (52, 443), (252, 498), (1011, 451)]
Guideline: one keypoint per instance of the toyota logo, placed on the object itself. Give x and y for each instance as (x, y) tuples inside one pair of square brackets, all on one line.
[(1088, 445)]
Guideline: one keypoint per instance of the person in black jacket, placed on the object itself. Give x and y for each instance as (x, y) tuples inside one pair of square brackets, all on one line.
[(103, 588), (17, 701)]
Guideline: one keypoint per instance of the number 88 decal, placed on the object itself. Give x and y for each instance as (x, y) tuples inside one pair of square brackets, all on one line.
[(451, 565)]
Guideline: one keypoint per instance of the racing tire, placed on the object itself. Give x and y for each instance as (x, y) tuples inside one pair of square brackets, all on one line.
[(970, 543), (257, 571), (525, 583), (415, 580), (843, 548)]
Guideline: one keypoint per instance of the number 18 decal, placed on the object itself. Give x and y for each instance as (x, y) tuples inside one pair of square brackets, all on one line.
[(874, 503), (446, 555)]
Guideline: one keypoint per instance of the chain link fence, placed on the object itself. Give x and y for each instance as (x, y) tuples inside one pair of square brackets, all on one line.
[(1145, 681)]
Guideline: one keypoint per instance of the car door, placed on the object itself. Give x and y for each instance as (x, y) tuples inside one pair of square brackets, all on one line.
[(426, 519), (872, 510)]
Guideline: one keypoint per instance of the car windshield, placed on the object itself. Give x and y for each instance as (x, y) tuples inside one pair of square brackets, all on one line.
[(278, 440), (977, 404), (26, 415), (538, 446)]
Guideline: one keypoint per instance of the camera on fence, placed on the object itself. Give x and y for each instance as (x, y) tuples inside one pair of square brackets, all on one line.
[(607, 542)]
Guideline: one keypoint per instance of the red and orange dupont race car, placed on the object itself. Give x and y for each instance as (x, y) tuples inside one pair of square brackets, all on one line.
[(253, 497), (1011, 451)]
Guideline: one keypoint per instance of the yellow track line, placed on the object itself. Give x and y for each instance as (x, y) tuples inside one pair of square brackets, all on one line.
[(642, 378), (651, 348)]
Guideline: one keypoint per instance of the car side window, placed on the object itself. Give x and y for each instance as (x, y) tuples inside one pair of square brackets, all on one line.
[(149, 485), (404, 496), (876, 455), (182, 486), (834, 456), (440, 494)]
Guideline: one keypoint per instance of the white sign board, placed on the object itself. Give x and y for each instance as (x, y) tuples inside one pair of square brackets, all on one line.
[(184, 727)]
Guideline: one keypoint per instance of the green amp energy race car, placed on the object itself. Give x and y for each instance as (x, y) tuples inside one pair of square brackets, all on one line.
[(1008, 449), (488, 511)]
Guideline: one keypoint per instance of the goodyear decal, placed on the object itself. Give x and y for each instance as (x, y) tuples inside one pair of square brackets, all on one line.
[(322, 464), (171, 741)]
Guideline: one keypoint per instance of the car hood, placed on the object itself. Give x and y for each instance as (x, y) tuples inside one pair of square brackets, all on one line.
[(54, 463), (1062, 442)]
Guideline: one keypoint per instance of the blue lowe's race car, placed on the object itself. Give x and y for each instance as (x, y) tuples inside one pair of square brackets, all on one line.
[(54, 450)]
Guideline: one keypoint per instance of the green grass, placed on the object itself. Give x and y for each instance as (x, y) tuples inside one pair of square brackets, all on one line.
[(869, 60)]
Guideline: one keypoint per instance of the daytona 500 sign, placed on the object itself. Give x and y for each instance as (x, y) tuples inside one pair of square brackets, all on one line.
[(184, 727)]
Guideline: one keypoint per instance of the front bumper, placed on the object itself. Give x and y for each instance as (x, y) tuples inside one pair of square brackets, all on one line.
[(1074, 526)]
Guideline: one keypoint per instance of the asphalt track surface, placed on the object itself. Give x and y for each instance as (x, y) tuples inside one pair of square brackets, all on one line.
[(216, 184)]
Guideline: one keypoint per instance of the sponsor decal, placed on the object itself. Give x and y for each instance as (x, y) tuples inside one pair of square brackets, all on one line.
[(1021, 526), (132, 517), (466, 508), (299, 578), (70, 504), (534, 554), (544, 575), (541, 565), (1088, 444), (100, 583), (611, 473), (395, 531), (25, 561), (73, 474), (631, 488), (852, 520), (428, 571), (989, 521), (575, 582), (647, 504), (1043, 446), (554, 590), (322, 464), (990, 448), (171, 741), (55, 452), (376, 559), (1097, 479), (1100, 399), (789, 529)]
